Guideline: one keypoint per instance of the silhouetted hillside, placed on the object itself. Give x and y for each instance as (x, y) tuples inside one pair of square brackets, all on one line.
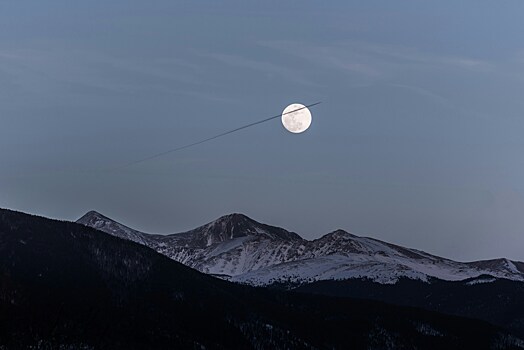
[(498, 301)]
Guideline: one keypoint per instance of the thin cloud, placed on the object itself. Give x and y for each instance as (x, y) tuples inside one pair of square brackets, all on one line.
[(373, 60), (87, 71), (262, 66)]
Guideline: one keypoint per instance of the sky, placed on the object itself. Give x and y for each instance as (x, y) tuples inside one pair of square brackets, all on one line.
[(418, 140)]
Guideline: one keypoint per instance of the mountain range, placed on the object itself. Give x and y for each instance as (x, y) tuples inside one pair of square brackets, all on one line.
[(241, 249), (67, 286)]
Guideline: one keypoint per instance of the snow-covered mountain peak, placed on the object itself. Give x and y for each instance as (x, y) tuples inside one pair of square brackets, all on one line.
[(95, 219), (339, 234), (229, 227), (343, 242), (237, 218), (92, 214), (100, 222)]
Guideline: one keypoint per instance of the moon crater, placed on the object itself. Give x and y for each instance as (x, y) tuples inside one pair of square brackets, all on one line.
[(296, 118)]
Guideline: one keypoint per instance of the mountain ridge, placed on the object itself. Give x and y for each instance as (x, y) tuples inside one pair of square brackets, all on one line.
[(254, 253)]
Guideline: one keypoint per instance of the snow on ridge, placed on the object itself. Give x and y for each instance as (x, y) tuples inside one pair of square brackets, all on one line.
[(480, 280), (250, 252), (100, 222)]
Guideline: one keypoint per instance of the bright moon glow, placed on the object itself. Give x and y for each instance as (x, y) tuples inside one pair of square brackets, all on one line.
[(298, 121)]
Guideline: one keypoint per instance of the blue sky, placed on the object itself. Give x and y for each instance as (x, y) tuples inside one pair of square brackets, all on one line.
[(418, 140)]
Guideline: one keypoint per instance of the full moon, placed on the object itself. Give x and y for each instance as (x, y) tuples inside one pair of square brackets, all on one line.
[(297, 121)]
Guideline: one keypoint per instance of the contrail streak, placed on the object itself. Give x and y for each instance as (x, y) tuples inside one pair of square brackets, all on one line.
[(213, 137)]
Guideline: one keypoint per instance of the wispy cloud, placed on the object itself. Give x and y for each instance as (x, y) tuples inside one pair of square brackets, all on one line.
[(328, 56), (426, 93), (262, 66), (90, 71), (374, 60)]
